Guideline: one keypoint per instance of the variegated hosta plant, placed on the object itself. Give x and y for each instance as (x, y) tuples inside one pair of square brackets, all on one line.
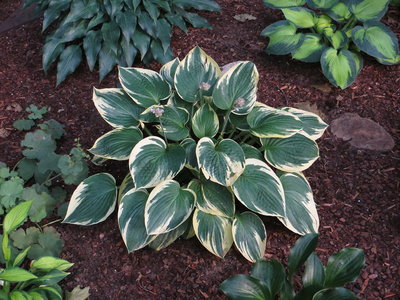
[(335, 37), (198, 143)]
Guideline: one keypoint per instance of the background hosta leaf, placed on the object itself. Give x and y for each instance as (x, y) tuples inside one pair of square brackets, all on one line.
[(144, 86), (268, 122), (344, 266), (237, 89), (168, 71), (301, 250), (322, 4), (190, 148), (301, 213), (284, 3), (314, 272), (293, 154), (197, 72), (222, 163), (310, 49), (213, 232), (377, 40), (92, 46), (244, 287), (368, 10), (270, 273), (70, 59), (152, 161), (283, 38), (339, 12), (167, 207), (93, 200), (116, 107), (300, 16), (205, 122), (117, 144), (249, 235), (339, 67), (252, 152), (259, 189), (335, 293), (131, 220)]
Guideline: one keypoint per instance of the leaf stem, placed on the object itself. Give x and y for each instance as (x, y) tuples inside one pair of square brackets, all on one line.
[(162, 129), (351, 22), (147, 130), (52, 222), (226, 119)]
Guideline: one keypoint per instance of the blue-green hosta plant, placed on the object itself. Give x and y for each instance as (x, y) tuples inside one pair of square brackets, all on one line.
[(334, 33), (198, 143), (39, 280), (268, 279), (113, 32)]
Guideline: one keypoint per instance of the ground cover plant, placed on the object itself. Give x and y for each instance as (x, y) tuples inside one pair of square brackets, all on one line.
[(268, 278), (334, 33), (113, 32), (197, 141)]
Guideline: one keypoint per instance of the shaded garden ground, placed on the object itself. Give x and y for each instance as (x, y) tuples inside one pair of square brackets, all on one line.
[(357, 191)]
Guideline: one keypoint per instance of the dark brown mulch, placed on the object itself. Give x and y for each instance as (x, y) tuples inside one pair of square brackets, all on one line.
[(356, 191)]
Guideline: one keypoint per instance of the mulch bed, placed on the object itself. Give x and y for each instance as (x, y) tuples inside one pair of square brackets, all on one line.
[(357, 192)]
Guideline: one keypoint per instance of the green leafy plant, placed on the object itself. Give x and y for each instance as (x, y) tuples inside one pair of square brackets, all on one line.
[(268, 279), (194, 139), (41, 279), (114, 31), (335, 37)]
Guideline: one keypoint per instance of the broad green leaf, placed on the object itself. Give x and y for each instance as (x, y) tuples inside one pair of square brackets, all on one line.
[(252, 152), (340, 12), (237, 89), (5, 247), (162, 241), (268, 122), (131, 220), (129, 52), (314, 272), (283, 38), (70, 59), (53, 12), (213, 232), (117, 144), (107, 60), (200, 4), (111, 33), (270, 273), (167, 207), (18, 295), (51, 50), (244, 287), (300, 16), (16, 216), (195, 75), (145, 87), (127, 22), (48, 263), (20, 257), (323, 22), (92, 201), (168, 70), (152, 162), (368, 10), (126, 185), (249, 235), (205, 122), (310, 49), (301, 250), (344, 266), (196, 20), (284, 3), (301, 213), (164, 31), (92, 46), (259, 189), (334, 294), (377, 40), (339, 67), (141, 41), (16, 274), (322, 4), (158, 52), (172, 122), (313, 126), (338, 38), (116, 107), (222, 163), (239, 122), (213, 198)]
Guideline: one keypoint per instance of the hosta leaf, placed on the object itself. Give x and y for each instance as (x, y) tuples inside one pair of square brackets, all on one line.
[(167, 207), (237, 89), (268, 122), (80, 10), (213, 198), (16, 274), (116, 107), (310, 49), (141, 41), (70, 59), (339, 67), (127, 21), (53, 12), (344, 266), (199, 4), (338, 38), (177, 20), (173, 122), (99, 18), (126, 185), (190, 148), (107, 60), (196, 20), (117, 144), (111, 33), (164, 32), (145, 87), (244, 287), (213, 232), (301, 250), (259, 189), (368, 10), (322, 4), (222, 163), (249, 235), (301, 213), (252, 152), (300, 16), (51, 50), (92, 201), (377, 40), (197, 73), (152, 161), (162, 241), (92, 46), (129, 51), (205, 122), (48, 263), (313, 126), (314, 272), (284, 3), (334, 294), (16, 216), (270, 273), (131, 220), (168, 71), (283, 38), (159, 54), (339, 12), (239, 122)]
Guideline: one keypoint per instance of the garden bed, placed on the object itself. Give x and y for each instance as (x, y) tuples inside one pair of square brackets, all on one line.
[(356, 190)]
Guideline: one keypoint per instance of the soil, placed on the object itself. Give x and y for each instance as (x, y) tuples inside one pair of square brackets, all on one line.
[(357, 192)]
